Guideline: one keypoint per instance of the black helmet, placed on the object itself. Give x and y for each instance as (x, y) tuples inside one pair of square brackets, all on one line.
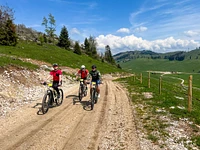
[(55, 64), (94, 66)]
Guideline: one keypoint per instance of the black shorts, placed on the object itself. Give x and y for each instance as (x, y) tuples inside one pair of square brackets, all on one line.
[(84, 78)]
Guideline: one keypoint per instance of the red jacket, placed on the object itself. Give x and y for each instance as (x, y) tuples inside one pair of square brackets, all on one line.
[(83, 74), (55, 74)]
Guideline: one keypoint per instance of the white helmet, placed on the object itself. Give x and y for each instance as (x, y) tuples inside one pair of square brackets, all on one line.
[(82, 67)]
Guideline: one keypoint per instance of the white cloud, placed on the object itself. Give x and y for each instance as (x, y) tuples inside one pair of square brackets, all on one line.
[(164, 18), (191, 33), (131, 42), (74, 31), (140, 29), (123, 30)]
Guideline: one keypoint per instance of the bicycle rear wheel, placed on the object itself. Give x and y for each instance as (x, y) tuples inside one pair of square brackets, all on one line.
[(45, 103), (60, 100)]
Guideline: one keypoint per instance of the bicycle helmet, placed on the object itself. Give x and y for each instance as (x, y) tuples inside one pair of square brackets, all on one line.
[(82, 67), (94, 66), (55, 64)]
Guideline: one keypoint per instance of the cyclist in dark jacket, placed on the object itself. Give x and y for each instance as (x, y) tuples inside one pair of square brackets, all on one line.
[(96, 77)]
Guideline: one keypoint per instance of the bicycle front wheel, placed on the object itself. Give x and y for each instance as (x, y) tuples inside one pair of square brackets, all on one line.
[(95, 97), (45, 103), (60, 100), (92, 99), (80, 94)]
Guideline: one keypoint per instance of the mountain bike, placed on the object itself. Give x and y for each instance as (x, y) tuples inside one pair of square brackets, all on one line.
[(94, 95), (50, 97), (82, 90)]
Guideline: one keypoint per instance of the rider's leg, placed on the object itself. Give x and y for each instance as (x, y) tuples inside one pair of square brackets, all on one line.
[(98, 88), (55, 86), (90, 90), (85, 83)]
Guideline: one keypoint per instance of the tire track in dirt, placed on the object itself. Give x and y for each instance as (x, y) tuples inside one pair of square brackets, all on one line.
[(23, 133), (88, 124), (93, 144), (81, 123), (21, 130), (110, 125), (119, 129)]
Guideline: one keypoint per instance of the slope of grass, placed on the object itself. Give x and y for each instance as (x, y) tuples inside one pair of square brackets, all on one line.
[(141, 65), (4, 61), (52, 54), (172, 99)]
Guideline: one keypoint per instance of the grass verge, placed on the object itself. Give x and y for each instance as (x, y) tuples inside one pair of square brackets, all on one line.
[(152, 108)]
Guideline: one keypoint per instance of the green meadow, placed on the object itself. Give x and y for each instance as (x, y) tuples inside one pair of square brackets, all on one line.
[(50, 54)]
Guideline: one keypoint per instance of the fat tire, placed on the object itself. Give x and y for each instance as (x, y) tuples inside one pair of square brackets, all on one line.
[(60, 100), (80, 94), (45, 102), (96, 98), (93, 99)]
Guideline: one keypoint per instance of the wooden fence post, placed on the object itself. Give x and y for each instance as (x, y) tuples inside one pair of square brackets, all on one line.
[(149, 81), (160, 85), (141, 78), (190, 93), (134, 77)]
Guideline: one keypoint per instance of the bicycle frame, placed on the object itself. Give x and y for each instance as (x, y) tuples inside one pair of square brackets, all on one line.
[(82, 89), (94, 97), (50, 97), (51, 90)]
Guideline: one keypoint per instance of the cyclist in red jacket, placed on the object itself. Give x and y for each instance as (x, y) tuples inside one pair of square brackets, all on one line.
[(83, 73), (57, 78)]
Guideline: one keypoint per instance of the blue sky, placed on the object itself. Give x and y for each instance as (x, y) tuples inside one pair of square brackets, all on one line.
[(157, 25)]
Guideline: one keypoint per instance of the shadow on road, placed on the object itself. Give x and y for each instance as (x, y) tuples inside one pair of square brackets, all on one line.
[(74, 96), (39, 112), (86, 104)]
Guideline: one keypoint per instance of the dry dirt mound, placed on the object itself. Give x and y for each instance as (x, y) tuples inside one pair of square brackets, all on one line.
[(21, 86)]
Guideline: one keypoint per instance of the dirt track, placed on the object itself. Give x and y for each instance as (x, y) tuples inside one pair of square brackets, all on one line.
[(109, 126)]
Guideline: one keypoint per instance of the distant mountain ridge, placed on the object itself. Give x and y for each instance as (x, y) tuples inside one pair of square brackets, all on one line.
[(147, 54)]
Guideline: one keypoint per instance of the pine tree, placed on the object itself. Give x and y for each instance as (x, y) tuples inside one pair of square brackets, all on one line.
[(118, 66), (92, 47), (8, 34), (63, 40), (87, 46), (108, 55), (77, 48), (11, 33)]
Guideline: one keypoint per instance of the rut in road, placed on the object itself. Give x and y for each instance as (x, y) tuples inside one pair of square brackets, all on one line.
[(109, 126)]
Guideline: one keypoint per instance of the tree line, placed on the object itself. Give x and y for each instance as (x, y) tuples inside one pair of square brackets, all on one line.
[(8, 36)]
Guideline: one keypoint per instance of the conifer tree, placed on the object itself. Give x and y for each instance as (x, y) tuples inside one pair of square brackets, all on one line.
[(87, 46), (8, 35), (92, 47), (63, 40), (108, 55), (77, 48)]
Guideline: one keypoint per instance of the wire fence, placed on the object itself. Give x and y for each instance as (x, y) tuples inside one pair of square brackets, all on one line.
[(161, 85)]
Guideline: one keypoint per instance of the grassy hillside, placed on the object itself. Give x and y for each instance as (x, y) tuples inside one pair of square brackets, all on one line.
[(141, 65), (52, 54), (177, 55)]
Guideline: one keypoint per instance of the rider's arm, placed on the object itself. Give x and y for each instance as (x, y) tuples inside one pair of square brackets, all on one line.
[(60, 79), (48, 77), (78, 75), (100, 77)]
